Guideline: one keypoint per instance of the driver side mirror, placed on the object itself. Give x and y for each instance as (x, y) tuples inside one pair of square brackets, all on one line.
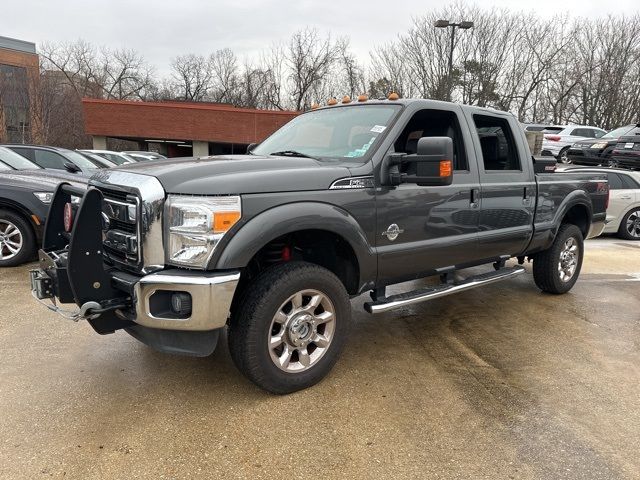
[(432, 165), (72, 167)]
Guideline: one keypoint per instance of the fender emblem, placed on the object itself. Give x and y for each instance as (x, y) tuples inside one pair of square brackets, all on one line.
[(392, 232)]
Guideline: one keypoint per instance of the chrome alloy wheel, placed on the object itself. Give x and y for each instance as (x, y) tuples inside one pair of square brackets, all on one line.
[(568, 259), (11, 240), (301, 331), (633, 224)]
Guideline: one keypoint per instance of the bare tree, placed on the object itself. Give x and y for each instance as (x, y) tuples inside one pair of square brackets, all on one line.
[(192, 76)]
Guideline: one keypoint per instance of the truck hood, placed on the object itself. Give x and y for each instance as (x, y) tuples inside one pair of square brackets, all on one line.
[(237, 174), (41, 179)]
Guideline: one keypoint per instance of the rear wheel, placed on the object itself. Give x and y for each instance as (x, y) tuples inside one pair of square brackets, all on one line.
[(556, 270), (287, 332), (630, 225), (17, 241)]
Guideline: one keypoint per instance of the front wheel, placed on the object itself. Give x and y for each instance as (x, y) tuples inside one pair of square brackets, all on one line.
[(17, 241), (556, 269), (630, 225), (563, 157), (290, 326)]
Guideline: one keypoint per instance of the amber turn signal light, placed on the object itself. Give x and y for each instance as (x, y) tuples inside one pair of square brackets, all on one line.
[(445, 168), (223, 221)]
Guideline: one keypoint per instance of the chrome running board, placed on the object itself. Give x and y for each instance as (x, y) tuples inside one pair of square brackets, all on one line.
[(430, 293)]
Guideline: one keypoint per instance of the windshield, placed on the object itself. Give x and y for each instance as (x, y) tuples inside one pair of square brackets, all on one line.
[(332, 133), (81, 161), (619, 132), (15, 160)]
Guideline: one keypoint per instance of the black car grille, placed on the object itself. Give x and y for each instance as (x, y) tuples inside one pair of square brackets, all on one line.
[(120, 231)]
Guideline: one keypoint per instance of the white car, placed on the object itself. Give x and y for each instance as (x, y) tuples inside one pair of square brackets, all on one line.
[(623, 213), (558, 138), (118, 158)]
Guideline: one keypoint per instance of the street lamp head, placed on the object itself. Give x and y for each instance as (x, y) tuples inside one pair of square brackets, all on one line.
[(441, 23), (465, 25)]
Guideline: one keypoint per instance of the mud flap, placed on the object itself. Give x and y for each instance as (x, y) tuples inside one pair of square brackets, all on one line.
[(179, 342)]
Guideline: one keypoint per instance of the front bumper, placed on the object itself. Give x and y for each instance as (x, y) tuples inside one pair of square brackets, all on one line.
[(73, 270), (211, 295)]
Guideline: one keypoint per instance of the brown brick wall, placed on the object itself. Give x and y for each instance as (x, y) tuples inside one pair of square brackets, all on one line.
[(19, 59), (180, 121)]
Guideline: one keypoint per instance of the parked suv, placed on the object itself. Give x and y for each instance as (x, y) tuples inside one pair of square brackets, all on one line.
[(55, 158), (558, 138), (10, 160), (598, 151), (25, 196), (118, 158)]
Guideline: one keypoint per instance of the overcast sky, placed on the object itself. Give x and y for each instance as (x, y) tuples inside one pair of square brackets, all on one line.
[(162, 29)]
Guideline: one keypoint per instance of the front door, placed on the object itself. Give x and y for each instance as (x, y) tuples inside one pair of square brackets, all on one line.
[(422, 229)]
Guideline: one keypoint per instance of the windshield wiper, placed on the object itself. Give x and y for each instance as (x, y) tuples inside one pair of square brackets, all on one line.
[(293, 153)]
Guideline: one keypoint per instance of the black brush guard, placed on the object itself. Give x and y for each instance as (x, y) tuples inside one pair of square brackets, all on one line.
[(72, 268)]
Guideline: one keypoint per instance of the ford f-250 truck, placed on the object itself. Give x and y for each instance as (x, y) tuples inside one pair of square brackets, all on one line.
[(342, 200)]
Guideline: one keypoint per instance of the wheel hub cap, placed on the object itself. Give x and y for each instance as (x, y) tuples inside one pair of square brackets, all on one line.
[(633, 224), (10, 240), (301, 331), (568, 259)]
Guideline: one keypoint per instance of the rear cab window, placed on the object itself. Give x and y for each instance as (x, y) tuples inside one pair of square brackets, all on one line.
[(499, 152)]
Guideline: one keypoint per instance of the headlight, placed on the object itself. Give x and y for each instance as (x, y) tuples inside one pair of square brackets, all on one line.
[(44, 197), (195, 225), (599, 145)]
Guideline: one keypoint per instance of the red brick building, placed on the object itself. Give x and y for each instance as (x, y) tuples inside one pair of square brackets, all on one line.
[(180, 128), (19, 68)]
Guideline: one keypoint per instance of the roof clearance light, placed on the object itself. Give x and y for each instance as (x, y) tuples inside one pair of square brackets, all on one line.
[(346, 99), (332, 101), (314, 106), (393, 96), (363, 98)]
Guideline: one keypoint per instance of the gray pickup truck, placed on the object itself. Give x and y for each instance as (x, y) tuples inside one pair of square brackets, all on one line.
[(342, 200)]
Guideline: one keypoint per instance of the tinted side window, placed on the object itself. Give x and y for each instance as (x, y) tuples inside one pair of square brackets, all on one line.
[(433, 123), (581, 132), (498, 146), (599, 133), (629, 182), (615, 182), (25, 152), (47, 159)]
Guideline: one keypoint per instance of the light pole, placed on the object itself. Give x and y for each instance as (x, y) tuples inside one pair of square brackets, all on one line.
[(465, 25)]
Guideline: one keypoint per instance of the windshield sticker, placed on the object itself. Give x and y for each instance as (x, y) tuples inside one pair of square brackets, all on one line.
[(378, 128)]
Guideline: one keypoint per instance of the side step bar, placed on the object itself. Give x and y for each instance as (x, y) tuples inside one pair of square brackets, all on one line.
[(424, 294)]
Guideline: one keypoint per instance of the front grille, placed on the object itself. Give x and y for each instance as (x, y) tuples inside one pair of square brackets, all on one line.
[(120, 229)]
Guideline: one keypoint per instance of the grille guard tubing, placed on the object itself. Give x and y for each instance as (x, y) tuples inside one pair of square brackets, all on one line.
[(84, 268)]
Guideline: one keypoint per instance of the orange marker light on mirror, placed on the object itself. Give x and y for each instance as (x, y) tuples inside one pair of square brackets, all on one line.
[(446, 168)]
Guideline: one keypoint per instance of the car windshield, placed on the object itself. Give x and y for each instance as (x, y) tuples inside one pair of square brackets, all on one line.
[(15, 161), (81, 161), (345, 133), (619, 132)]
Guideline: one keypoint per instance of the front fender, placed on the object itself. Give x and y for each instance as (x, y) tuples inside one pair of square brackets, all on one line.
[(292, 217)]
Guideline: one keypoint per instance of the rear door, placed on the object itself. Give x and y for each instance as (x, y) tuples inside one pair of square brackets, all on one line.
[(507, 185)]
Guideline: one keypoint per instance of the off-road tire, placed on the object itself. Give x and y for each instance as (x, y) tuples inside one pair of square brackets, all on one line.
[(545, 264), (622, 231), (28, 239), (251, 323)]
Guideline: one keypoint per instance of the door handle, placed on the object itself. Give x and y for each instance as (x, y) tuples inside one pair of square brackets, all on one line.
[(474, 197), (626, 197), (525, 196)]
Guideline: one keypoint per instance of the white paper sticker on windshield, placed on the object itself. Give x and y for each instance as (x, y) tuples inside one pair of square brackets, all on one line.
[(378, 128)]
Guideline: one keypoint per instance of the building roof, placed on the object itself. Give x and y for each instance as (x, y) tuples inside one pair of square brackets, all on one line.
[(180, 121), (19, 45)]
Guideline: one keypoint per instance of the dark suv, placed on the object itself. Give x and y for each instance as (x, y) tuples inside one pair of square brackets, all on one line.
[(55, 158)]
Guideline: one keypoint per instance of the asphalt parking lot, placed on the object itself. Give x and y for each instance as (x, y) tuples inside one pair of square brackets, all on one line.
[(498, 382)]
